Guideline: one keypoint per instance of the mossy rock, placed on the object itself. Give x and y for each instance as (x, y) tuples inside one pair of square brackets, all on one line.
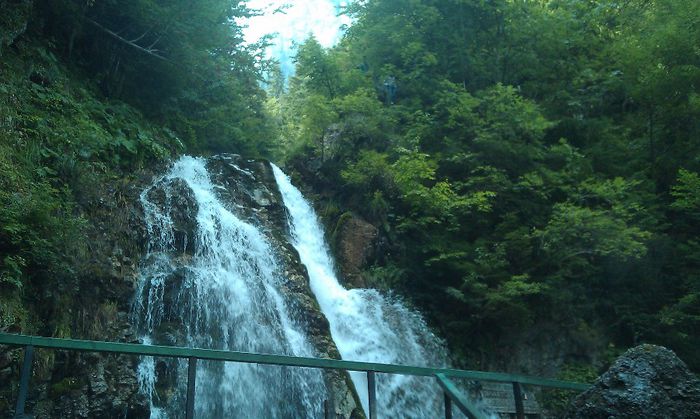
[(65, 387)]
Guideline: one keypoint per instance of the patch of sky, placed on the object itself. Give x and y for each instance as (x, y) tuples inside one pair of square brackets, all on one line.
[(292, 22)]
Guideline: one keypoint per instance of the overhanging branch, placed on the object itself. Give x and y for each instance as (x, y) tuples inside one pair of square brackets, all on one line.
[(150, 51)]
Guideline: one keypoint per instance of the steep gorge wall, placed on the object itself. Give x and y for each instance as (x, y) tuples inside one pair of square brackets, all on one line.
[(98, 305), (71, 228)]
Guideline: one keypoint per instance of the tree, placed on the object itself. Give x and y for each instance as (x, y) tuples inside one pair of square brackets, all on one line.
[(316, 67)]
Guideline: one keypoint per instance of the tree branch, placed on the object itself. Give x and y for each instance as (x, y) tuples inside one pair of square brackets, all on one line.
[(148, 51), (140, 37)]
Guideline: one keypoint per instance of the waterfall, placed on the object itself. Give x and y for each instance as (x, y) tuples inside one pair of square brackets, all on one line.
[(220, 290), (366, 325)]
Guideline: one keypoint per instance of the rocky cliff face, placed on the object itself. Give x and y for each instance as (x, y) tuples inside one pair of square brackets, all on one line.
[(92, 302), (646, 382), (248, 189), (98, 304)]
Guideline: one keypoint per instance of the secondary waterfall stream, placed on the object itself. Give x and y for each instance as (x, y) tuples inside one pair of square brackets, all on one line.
[(365, 325), (222, 289)]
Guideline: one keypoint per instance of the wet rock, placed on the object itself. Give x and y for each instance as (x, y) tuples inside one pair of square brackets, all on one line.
[(249, 185), (354, 242), (5, 374), (178, 198), (92, 303), (5, 358), (82, 385), (86, 385), (646, 382)]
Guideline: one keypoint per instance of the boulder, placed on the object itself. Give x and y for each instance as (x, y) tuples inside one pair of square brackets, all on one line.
[(646, 382), (354, 243)]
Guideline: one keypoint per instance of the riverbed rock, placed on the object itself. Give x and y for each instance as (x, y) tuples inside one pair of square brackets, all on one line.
[(648, 381)]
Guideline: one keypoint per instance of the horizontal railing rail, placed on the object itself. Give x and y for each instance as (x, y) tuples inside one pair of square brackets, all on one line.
[(267, 359), (193, 354)]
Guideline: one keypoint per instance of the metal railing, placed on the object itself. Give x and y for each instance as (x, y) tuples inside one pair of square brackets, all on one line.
[(442, 375)]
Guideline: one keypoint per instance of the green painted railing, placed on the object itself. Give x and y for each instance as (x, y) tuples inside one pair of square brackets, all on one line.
[(442, 375)]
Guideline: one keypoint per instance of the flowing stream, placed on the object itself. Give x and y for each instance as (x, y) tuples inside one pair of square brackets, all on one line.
[(221, 294), (366, 325)]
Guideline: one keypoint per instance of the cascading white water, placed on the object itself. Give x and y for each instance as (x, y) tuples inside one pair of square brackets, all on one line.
[(221, 294), (365, 325)]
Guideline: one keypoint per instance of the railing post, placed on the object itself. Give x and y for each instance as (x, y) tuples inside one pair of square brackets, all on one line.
[(518, 396), (448, 406), (372, 391), (327, 409), (25, 374), (191, 379), (463, 403)]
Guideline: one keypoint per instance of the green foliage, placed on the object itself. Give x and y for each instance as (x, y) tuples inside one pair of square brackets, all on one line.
[(538, 160), (13, 312), (37, 224), (687, 192), (371, 170), (510, 130), (317, 69), (181, 63), (576, 236), (681, 318), (556, 401), (385, 277)]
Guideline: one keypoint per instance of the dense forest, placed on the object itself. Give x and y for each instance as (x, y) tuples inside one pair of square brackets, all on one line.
[(527, 162), (530, 164)]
